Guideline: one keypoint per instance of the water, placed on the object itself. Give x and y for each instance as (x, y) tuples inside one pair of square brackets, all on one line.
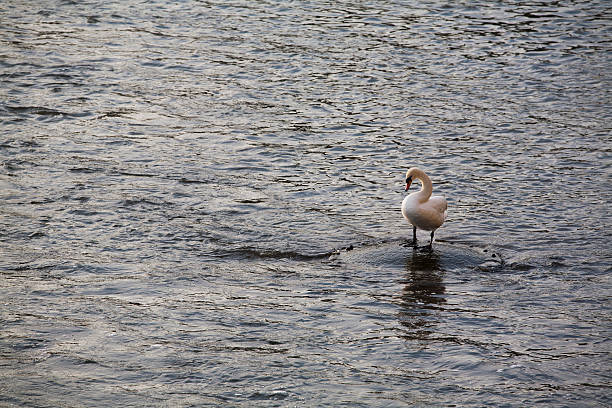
[(182, 183)]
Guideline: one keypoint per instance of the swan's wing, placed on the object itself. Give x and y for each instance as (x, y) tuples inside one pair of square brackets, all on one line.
[(438, 203), (431, 214)]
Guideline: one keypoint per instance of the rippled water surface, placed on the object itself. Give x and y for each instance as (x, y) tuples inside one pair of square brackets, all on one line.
[(199, 203)]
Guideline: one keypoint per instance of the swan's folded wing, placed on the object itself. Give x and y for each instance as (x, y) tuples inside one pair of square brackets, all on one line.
[(438, 202)]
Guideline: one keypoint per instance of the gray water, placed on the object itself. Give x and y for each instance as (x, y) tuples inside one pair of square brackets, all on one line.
[(199, 203)]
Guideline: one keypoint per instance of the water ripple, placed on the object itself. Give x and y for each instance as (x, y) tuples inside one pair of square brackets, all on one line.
[(200, 203)]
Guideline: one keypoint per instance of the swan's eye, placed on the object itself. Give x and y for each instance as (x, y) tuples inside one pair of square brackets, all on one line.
[(408, 180)]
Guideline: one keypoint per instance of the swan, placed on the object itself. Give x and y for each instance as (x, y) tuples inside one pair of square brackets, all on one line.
[(421, 209)]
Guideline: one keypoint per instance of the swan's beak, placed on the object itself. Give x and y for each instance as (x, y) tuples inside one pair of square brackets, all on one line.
[(408, 183)]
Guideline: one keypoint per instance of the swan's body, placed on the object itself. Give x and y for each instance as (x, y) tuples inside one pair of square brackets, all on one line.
[(421, 209)]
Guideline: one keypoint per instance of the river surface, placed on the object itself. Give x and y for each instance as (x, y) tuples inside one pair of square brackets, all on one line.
[(200, 203)]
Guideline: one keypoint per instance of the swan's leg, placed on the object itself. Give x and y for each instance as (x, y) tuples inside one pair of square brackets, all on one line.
[(431, 240), (414, 240)]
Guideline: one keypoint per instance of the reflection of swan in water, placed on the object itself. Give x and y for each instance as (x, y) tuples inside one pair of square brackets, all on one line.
[(425, 283), (423, 292)]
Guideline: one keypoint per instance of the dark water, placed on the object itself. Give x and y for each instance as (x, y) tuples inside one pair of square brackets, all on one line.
[(176, 178)]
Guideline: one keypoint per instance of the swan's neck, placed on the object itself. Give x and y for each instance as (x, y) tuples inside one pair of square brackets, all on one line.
[(426, 186)]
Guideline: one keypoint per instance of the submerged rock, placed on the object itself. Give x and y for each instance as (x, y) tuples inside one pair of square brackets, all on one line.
[(397, 254)]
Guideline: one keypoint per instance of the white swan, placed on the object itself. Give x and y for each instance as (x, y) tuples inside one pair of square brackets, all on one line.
[(421, 209)]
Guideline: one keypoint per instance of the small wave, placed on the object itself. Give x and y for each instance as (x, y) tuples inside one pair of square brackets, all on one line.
[(20, 113), (86, 170), (33, 110), (137, 201), (255, 253)]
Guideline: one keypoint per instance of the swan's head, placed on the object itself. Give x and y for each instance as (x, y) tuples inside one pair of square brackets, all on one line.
[(411, 174)]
